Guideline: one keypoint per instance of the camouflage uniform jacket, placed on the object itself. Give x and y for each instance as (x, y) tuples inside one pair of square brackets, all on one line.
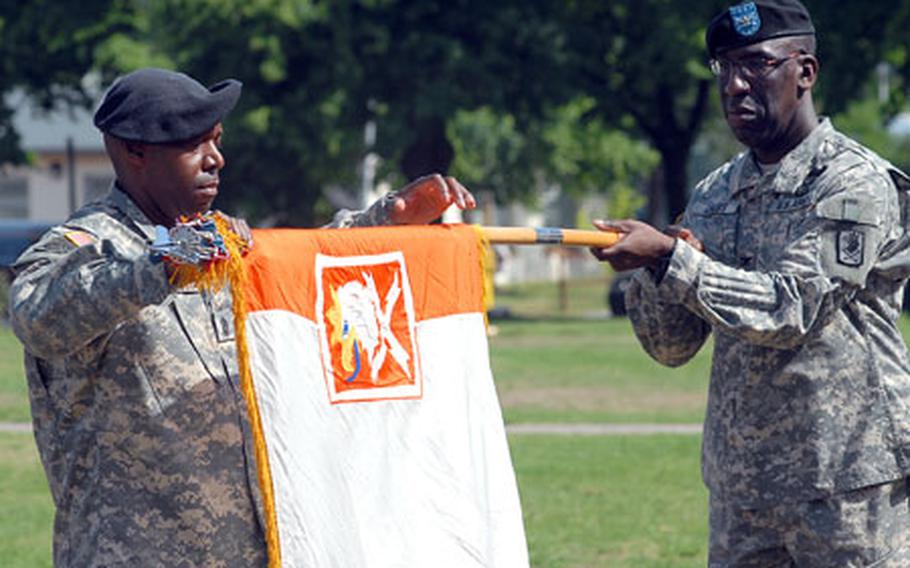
[(137, 411), (801, 283)]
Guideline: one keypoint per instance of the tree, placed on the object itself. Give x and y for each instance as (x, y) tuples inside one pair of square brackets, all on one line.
[(562, 148), (587, 156), (424, 61), (644, 62), (296, 130), (491, 155), (314, 73), (853, 38), (46, 51)]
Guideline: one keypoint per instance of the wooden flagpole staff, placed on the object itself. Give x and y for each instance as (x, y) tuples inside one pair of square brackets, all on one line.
[(550, 236)]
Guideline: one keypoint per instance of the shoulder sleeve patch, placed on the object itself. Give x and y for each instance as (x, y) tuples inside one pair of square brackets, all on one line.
[(79, 238), (851, 245)]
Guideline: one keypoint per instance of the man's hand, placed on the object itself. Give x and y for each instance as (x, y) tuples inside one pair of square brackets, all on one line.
[(640, 245), (425, 199), (686, 236)]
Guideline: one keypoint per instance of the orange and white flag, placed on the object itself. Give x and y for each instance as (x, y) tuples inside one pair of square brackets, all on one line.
[(384, 437)]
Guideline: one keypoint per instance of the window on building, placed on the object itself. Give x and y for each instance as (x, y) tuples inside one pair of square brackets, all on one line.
[(13, 197), (96, 186)]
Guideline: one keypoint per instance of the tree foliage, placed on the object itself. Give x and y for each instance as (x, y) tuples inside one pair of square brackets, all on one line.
[(491, 155), (296, 130), (424, 61), (46, 51), (644, 62), (314, 73), (511, 95), (564, 148), (853, 38), (864, 120)]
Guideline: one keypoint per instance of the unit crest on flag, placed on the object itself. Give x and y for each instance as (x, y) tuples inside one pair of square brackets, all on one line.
[(365, 313)]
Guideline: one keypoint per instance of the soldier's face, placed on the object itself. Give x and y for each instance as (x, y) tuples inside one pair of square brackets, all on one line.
[(183, 177), (760, 93)]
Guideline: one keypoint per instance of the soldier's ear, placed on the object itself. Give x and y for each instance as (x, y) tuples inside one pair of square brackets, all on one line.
[(808, 71), (134, 150)]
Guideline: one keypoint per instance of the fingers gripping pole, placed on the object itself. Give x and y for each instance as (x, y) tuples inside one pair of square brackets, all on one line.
[(550, 236)]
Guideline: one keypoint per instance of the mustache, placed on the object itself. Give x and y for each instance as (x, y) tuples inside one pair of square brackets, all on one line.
[(741, 104)]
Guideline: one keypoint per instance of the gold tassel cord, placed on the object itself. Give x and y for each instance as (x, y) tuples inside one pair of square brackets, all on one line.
[(213, 277), (483, 250)]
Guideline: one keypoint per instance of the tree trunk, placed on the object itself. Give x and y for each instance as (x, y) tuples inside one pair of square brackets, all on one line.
[(303, 214), (430, 152), (656, 211), (674, 160), (673, 138)]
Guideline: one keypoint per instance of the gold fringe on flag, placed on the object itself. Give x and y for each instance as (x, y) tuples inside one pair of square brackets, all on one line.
[(484, 250), (213, 277)]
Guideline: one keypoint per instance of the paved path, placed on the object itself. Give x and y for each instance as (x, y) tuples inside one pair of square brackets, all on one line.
[(603, 429), (564, 429)]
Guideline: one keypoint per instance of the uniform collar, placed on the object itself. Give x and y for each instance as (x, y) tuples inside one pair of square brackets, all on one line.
[(794, 167), (122, 201)]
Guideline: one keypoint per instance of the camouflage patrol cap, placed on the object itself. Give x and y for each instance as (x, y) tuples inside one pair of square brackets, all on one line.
[(756, 21), (161, 106)]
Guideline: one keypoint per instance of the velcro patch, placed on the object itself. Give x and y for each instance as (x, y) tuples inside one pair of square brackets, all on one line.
[(850, 246), (79, 238)]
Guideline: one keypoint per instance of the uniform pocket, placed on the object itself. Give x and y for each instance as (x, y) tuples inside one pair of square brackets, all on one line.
[(156, 365), (716, 227), (197, 323), (786, 231)]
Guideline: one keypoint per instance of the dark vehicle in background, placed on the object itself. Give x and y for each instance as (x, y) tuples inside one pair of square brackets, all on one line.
[(616, 294), (16, 235)]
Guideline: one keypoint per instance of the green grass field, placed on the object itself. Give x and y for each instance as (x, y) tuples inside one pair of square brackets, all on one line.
[(590, 371), (13, 391), (553, 366), (612, 501), (27, 510), (588, 501)]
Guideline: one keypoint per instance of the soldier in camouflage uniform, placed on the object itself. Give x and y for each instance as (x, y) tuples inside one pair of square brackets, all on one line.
[(794, 255), (137, 411)]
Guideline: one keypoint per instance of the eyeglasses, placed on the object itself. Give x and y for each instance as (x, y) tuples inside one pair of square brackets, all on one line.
[(751, 68)]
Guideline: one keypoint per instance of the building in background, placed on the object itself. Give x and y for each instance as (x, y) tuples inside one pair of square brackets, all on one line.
[(69, 166)]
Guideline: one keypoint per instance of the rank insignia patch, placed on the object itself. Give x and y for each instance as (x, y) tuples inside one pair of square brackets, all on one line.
[(746, 20), (850, 247)]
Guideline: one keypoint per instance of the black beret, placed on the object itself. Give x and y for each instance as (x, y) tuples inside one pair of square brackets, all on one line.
[(757, 21), (161, 106)]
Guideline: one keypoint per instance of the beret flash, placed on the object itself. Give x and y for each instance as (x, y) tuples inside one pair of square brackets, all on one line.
[(753, 22)]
